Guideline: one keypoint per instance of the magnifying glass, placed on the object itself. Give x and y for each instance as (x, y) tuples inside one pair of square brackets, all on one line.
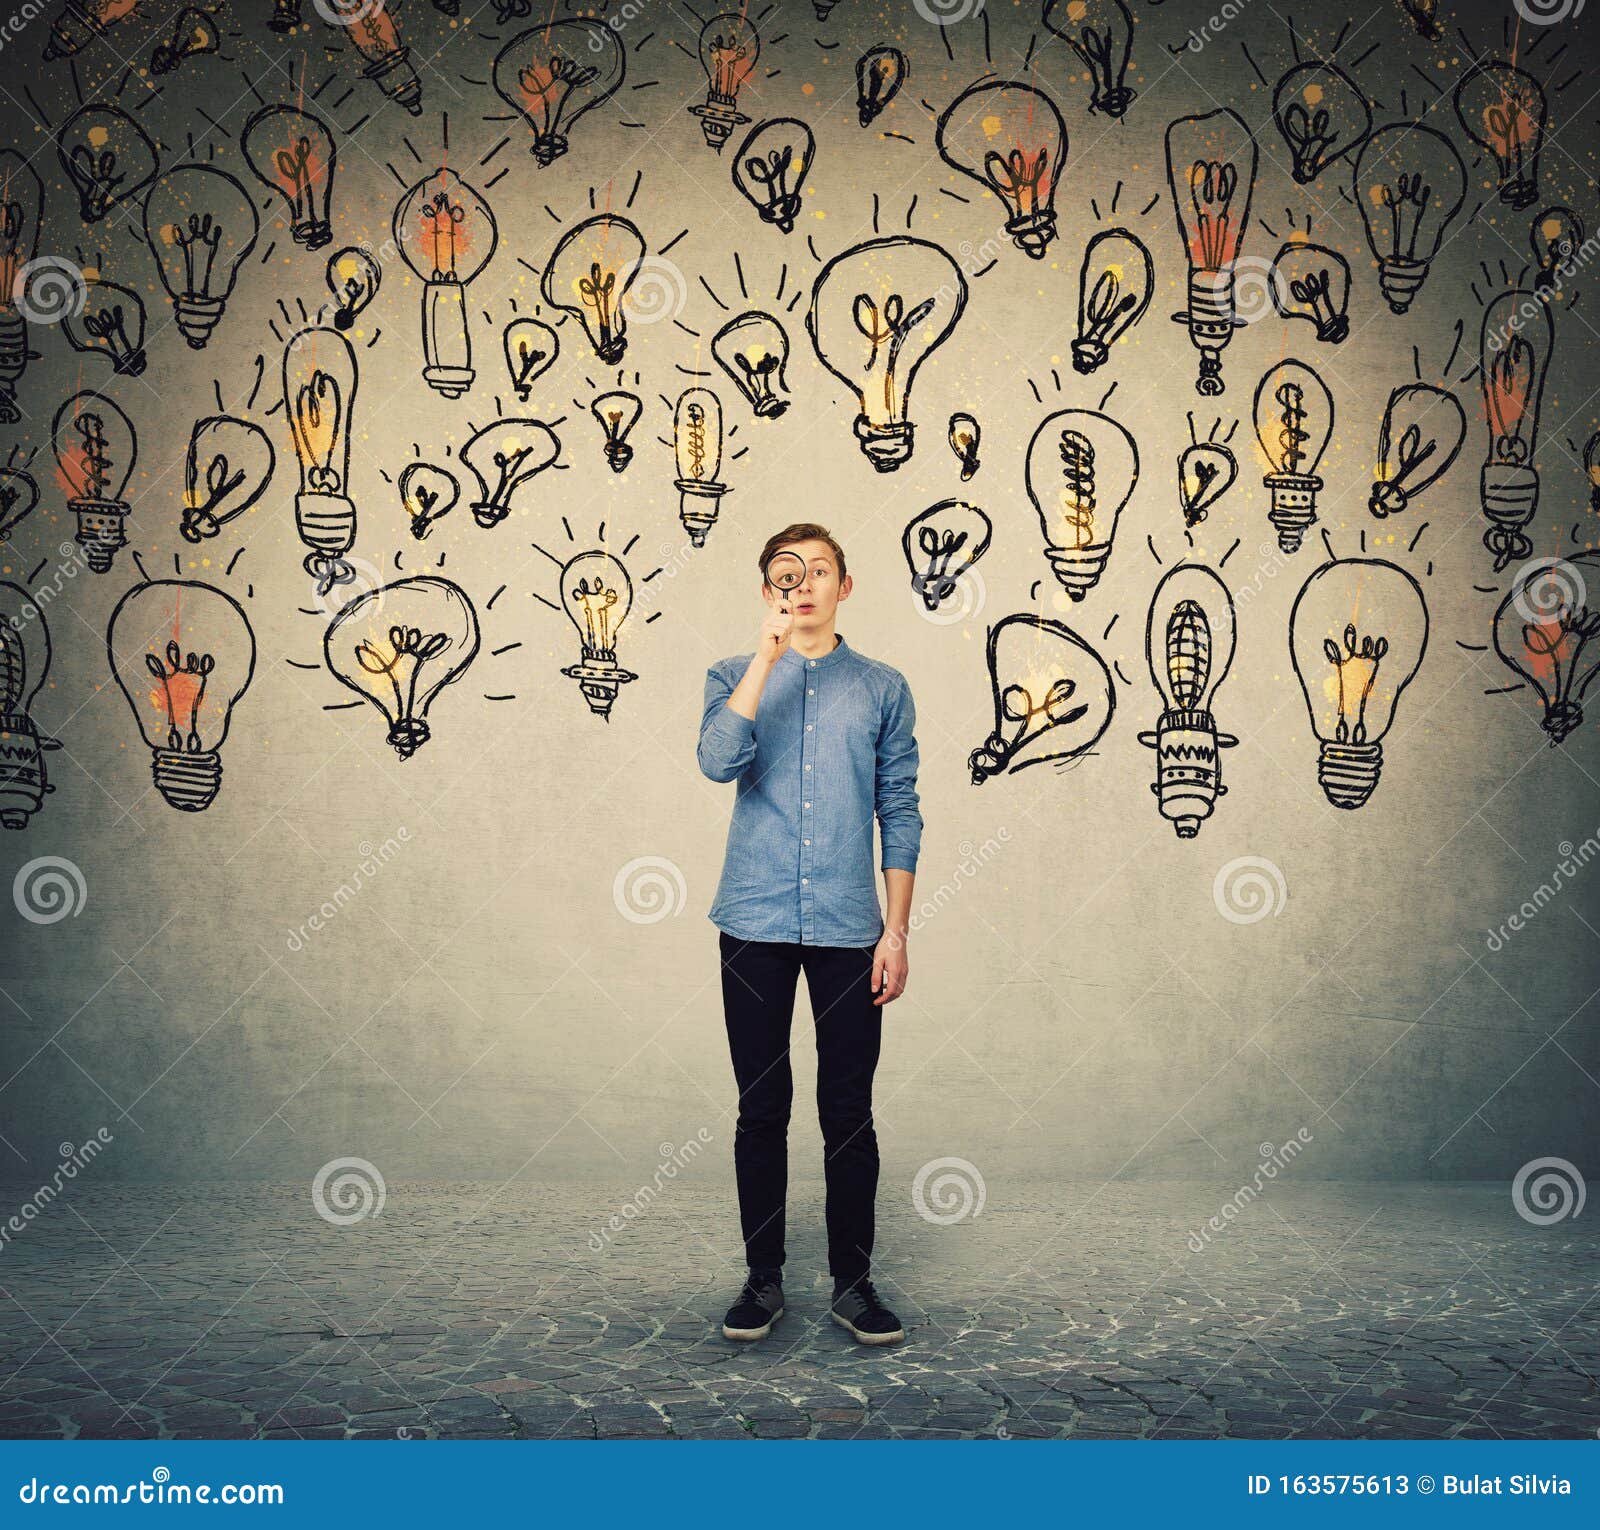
[(784, 571)]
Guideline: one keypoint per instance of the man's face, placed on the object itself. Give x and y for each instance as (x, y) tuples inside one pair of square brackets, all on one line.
[(817, 597)]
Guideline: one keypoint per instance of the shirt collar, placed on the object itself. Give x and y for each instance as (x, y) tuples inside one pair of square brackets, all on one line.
[(840, 650)]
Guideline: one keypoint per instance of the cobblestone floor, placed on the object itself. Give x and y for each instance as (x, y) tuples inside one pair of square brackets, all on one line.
[(1075, 1310)]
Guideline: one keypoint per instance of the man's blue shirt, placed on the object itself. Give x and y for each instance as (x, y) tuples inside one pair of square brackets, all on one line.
[(832, 747)]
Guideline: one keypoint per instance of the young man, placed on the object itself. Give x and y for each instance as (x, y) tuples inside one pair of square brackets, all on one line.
[(820, 740)]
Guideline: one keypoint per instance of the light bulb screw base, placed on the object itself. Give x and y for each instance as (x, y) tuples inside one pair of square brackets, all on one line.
[(782, 212), (70, 33), (1509, 493), (100, 530), (1335, 330), (885, 446), (618, 455), (312, 233), (1347, 773), (1032, 232), (409, 734), (1519, 191), (23, 783), (1294, 506), (547, 148), (599, 680), (129, 363), (1088, 356), (1211, 321), (1188, 767), (488, 514), (768, 406), (1399, 281), (1387, 499), (452, 382), (1114, 102), (188, 782), (719, 116), (1560, 720), (197, 317), (1078, 569), (326, 524), (698, 518), (396, 78)]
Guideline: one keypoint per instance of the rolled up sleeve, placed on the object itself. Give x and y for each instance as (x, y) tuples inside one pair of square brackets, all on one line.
[(899, 819), (727, 740)]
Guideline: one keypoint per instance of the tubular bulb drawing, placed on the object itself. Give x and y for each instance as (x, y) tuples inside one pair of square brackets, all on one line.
[(1189, 643), (697, 453), (1514, 355), (24, 664), (95, 451), (1294, 423), (319, 395)]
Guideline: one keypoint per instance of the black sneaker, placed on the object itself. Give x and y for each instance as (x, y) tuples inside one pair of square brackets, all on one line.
[(760, 1305), (857, 1308)]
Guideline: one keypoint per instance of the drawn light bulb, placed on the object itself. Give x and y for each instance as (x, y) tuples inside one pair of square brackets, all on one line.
[(1422, 14), (1422, 430), (941, 544), (618, 413), (880, 72), (1591, 469), (1188, 643), (1322, 115), (1556, 237), (1409, 184), (1053, 697), (200, 224), (398, 646), (81, 21), (1312, 282), (966, 436), (729, 48), (446, 235), (95, 449), (107, 156), (1548, 631), (319, 396), (697, 453), (1514, 355), (877, 312), (588, 276), (1206, 471), (21, 210), (1503, 109), (596, 594), (1100, 32), (531, 348), (1357, 634), (504, 457), (429, 493), (24, 664), (285, 16), (770, 168), (375, 35), (193, 35), (1294, 422), (1082, 468), (292, 153), (19, 497), (183, 654), (353, 278), (753, 350), (1114, 288), (227, 469), (111, 322), (1010, 138), (553, 74), (1211, 172)]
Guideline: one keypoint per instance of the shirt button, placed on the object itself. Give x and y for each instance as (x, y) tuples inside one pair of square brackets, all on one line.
[(805, 841), (808, 767), (812, 691), (808, 727), (804, 881), (813, 663), (805, 804)]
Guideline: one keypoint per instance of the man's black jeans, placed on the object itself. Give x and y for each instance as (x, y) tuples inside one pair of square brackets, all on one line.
[(758, 988)]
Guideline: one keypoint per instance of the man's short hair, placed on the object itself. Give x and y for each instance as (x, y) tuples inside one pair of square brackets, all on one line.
[(802, 531)]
